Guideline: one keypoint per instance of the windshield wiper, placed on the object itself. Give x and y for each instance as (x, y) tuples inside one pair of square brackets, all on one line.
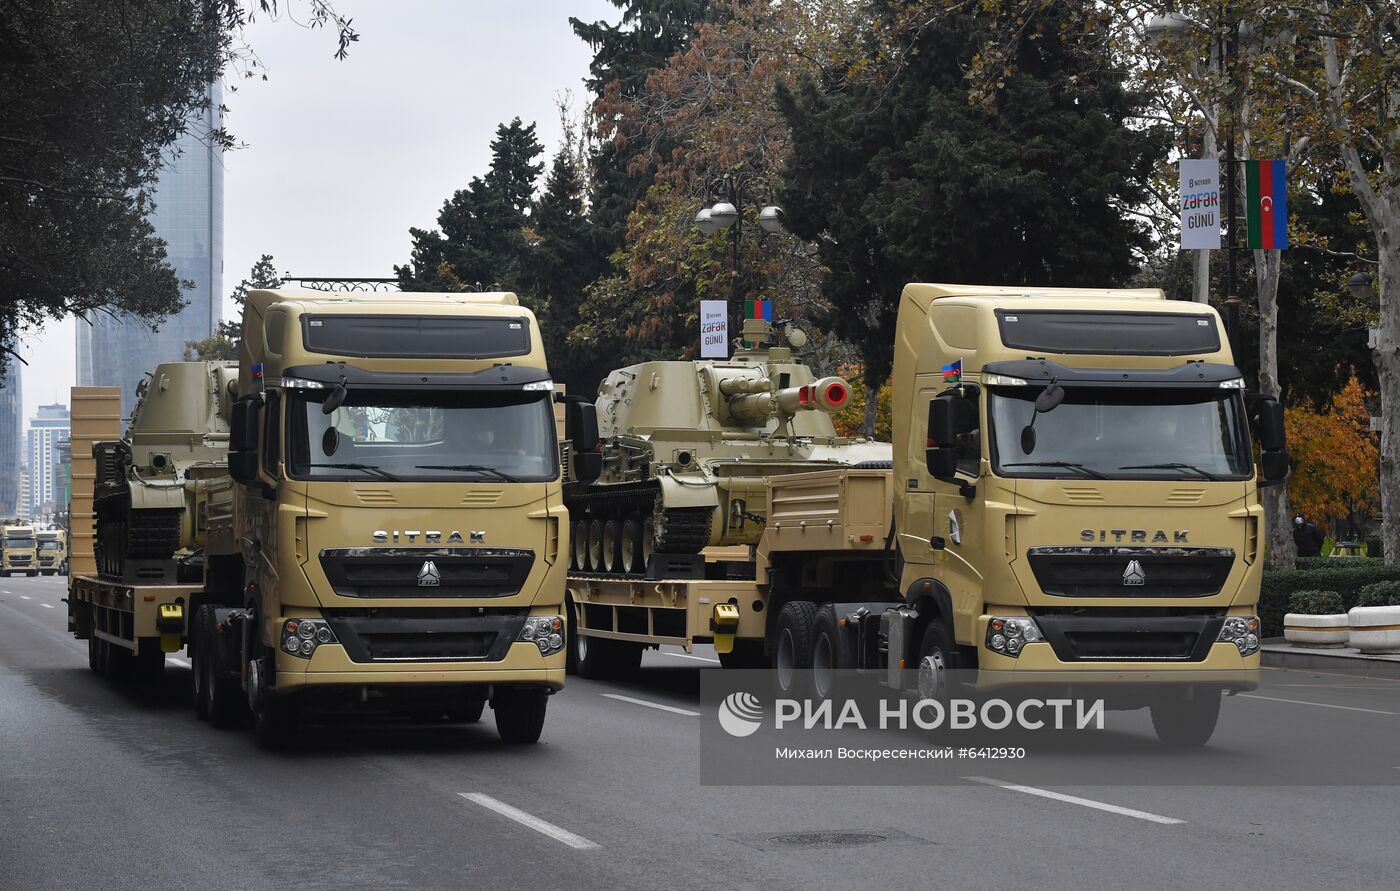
[(470, 468), (1173, 465), (1070, 465), (367, 468)]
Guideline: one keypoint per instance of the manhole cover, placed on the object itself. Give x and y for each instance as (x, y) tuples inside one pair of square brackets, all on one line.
[(826, 839)]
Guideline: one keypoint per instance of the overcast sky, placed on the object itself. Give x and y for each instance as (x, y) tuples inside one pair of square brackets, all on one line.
[(341, 158)]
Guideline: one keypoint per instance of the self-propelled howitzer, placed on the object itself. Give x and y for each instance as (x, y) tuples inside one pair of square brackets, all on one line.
[(686, 448)]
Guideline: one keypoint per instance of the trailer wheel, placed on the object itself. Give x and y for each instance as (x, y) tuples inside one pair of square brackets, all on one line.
[(198, 688), (1187, 721), (117, 661), (148, 665), (95, 654), (792, 646), (746, 654), (520, 713)]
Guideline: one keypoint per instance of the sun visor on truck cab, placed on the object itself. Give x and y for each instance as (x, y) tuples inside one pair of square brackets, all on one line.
[(499, 377), (421, 337), (1109, 333), (1188, 374)]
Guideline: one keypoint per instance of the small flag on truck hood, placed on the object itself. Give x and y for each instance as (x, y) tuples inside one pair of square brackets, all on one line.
[(952, 372), (1266, 204)]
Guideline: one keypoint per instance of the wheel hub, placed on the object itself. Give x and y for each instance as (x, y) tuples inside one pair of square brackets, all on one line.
[(933, 676)]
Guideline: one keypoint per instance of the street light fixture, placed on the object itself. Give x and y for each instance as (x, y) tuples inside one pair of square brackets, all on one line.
[(1361, 287), (724, 214), (705, 222), (770, 219)]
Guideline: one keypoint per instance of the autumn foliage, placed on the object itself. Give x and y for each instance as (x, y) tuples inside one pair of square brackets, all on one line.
[(850, 420), (1335, 458)]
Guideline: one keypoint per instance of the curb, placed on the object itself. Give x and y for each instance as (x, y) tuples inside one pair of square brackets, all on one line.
[(1276, 654)]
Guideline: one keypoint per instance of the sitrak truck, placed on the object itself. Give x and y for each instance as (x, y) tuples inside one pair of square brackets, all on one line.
[(363, 516), (1074, 500), (19, 550)]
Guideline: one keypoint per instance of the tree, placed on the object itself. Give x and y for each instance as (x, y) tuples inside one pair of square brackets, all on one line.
[(224, 345), (1334, 458), (480, 242), (917, 177), (92, 97)]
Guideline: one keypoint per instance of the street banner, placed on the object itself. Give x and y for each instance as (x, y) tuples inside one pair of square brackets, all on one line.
[(1200, 204), (1266, 204), (714, 329)]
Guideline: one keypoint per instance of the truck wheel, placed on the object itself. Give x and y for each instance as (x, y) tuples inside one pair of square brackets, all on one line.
[(199, 695), (936, 659), (792, 646), (826, 645), (276, 720), (1187, 721), (520, 714), (223, 699), (117, 661), (95, 654), (148, 665), (746, 654)]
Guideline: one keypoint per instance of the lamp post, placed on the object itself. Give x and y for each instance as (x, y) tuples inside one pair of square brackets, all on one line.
[(728, 213)]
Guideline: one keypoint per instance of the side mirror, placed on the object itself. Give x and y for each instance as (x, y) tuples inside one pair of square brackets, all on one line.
[(243, 425), (581, 425), (1275, 466), (588, 466), (243, 466), (334, 399), (939, 457), (1271, 436)]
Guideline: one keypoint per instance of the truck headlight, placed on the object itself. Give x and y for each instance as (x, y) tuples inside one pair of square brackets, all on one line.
[(1243, 632), (1008, 634), (545, 632), (301, 637)]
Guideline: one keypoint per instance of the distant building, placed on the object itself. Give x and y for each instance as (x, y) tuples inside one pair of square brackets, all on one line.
[(48, 432), (11, 437), (62, 480), (189, 217), (22, 509)]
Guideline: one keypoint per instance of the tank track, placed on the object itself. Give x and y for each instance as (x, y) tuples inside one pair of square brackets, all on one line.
[(124, 534), (684, 530)]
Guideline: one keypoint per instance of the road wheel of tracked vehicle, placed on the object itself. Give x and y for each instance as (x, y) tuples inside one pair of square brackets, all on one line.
[(1188, 720), (612, 546), (595, 545), (520, 713), (580, 545), (648, 544), (792, 646), (631, 545)]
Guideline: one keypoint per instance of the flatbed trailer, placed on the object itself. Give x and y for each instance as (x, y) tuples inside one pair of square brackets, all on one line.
[(129, 628)]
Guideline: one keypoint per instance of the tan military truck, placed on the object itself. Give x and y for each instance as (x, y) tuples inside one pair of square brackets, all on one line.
[(53, 551), (18, 550), (390, 532)]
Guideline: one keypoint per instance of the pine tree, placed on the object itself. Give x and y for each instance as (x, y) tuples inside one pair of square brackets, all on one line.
[(223, 346)]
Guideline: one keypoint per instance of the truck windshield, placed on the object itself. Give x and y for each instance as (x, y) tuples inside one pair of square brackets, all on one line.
[(416, 436), (50, 545), (19, 542), (1123, 433)]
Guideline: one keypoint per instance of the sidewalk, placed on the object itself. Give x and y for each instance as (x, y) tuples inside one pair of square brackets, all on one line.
[(1274, 653)]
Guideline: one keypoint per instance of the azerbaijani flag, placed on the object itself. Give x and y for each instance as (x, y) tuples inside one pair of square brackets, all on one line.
[(952, 372), (1266, 205), (758, 309)]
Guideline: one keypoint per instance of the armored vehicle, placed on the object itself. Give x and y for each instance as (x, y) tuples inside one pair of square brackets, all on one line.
[(147, 490), (686, 447)]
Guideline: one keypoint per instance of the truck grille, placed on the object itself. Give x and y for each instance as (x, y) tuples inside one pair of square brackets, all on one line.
[(398, 634), (1161, 635), (1131, 572), (411, 572)]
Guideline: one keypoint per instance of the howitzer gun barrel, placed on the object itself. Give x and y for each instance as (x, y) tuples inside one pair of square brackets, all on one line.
[(828, 395)]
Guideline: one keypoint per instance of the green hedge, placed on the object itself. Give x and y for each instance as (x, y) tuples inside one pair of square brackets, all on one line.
[(1347, 581), (1380, 594), (1315, 603), (1328, 562)]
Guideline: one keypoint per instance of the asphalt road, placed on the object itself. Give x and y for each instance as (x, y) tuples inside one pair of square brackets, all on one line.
[(119, 787)]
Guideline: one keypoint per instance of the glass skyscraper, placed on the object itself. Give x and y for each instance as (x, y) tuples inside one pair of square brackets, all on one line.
[(11, 437), (189, 217), (48, 433)]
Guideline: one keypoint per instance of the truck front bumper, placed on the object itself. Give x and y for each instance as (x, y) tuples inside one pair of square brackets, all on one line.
[(330, 666), (1037, 664)]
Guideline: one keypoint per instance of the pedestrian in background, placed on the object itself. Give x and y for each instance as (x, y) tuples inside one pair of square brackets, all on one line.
[(1307, 537)]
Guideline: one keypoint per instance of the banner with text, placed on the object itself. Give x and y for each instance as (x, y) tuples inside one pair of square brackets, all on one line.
[(1200, 204), (714, 329)]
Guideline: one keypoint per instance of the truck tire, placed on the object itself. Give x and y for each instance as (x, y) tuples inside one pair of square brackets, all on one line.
[(117, 661), (826, 647), (792, 647), (937, 657), (746, 654), (95, 654), (277, 721), (466, 711), (520, 714), (223, 702), (1187, 721)]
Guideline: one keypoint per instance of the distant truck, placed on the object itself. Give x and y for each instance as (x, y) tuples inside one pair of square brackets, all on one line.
[(364, 516), (20, 550), (53, 551), (1075, 500)]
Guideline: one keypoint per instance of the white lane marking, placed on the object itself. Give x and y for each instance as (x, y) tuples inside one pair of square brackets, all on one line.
[(655, 705), (23, 596), (524, 819), (1347, 708), (180, 662), (692, 656), (47, 605), (1072, 799)]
